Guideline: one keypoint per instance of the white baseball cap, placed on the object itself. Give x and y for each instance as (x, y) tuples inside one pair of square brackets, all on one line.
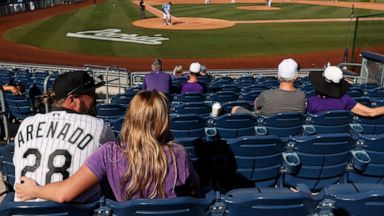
[(333, 74), (195, 67), (288, 69)]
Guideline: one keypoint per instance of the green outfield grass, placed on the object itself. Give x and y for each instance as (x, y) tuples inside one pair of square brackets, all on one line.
[(288, 11), (240, 40)]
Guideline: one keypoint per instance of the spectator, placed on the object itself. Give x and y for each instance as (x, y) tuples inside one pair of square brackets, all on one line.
[(331, 91), (193, 84), (204, 72), (51, 147), (15, 89), (157, 79), (284, 99), (177, 72), (145, 164)]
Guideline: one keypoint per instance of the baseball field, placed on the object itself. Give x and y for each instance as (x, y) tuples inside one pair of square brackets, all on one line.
[(222, 35)]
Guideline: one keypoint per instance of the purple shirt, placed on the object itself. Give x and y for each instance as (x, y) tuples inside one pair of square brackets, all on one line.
[(110, 162), (192, 87), (157, 80), (318, 104)]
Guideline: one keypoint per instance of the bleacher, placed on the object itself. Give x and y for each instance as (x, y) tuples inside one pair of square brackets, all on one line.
[(285, 164)]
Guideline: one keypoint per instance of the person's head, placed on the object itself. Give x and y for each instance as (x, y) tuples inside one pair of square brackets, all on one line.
[(178, 71), (288, 70), (194, 69), (157, 65), (329, 83), (76, 91), (144, 132)]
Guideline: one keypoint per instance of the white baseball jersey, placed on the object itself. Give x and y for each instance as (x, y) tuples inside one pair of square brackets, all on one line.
[(51, 147)]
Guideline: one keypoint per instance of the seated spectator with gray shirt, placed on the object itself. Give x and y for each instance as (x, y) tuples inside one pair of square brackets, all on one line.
[(286, 98)]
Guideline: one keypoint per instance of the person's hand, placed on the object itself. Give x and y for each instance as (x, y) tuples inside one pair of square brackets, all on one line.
[(15, 90), (26, 190)]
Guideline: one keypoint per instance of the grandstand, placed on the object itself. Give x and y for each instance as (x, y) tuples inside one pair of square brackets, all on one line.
[(248, 165)]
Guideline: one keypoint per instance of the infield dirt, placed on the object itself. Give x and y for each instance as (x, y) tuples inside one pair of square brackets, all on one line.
[(13, 52)]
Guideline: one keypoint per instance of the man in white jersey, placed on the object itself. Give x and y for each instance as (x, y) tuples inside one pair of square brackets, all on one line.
[(50, 147), (166, 8)]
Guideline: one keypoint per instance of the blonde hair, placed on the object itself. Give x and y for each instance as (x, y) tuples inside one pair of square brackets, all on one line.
[(145, 130), (178, 70)]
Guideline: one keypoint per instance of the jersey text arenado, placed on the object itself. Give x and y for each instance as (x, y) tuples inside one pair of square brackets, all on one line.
[(77, 137)]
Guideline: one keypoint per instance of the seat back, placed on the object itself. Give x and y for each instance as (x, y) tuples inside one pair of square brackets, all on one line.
[(335, 121), (180, 206), (187, 125), (356, 199), (323, 160), (371, 125), (374, 172), (223, 96), (235, 125), (268, 201), (283, 124), (7, 168), (47, 208), (189, 97), (258, 158), (200, 108), (110, 111), (19, 106)]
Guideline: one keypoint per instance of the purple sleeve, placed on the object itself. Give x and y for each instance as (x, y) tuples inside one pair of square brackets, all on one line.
[(96, 162), (309, 105), (350, 102)]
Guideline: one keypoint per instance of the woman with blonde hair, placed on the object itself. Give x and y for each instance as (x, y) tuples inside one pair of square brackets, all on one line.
[(145, 164)]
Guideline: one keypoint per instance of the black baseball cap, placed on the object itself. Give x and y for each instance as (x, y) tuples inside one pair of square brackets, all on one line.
[(76, 83)]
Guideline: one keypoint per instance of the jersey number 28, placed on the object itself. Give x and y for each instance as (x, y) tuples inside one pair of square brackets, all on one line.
[(52, 169)]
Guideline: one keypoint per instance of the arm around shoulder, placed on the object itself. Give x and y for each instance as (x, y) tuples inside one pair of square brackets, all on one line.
[(63, 191)]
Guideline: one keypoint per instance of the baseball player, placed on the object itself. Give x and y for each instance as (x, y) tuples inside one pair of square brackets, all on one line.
[(269, 3), (50, 147), (166, 8)]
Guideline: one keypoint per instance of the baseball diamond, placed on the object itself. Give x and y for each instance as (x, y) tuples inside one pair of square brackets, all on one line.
[(244, 34)]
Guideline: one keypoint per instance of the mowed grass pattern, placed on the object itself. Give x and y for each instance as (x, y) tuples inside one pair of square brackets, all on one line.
[(240, 40), (287, 11)]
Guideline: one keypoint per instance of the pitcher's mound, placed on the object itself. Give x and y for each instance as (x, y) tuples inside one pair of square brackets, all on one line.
[(184, 23), (258, 8)]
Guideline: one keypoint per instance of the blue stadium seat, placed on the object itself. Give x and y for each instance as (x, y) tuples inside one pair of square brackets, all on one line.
[(223, 96), (116, 124), (281, 124), (235, 125), (179, 206), (323, 160), (356, 199), (20, 106), (6, 166), (189, 97), (258, 158), (47, 208), (122, 99), (268, 201), (371, 125), (187, 125), (227, 106), (374, 171), (200, 108), (110, 111), (334, 121), (250, 95)]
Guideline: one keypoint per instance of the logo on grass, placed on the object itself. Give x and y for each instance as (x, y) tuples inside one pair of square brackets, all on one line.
[(115, 35)]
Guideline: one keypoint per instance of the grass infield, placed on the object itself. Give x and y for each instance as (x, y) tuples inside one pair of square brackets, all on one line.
[(239, 40)]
